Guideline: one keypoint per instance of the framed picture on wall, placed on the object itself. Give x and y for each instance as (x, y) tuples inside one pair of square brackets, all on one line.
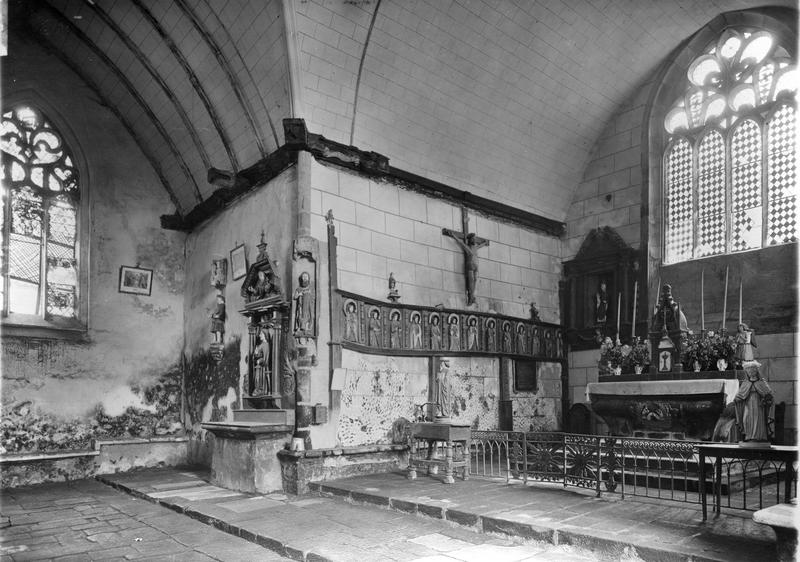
[(238, 262), (135, 280)]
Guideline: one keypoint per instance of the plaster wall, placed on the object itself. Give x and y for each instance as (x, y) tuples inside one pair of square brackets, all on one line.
[(540, 410), (215, 389), (124, 379), (383, 228)]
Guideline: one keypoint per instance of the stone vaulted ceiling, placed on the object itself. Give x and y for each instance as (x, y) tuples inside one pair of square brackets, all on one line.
[(501, 98)]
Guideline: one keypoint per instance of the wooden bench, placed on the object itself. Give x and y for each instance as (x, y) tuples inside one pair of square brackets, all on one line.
[(783, 518)]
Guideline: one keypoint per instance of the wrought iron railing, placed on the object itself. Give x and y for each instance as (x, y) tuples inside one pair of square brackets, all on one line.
[(655, 468)]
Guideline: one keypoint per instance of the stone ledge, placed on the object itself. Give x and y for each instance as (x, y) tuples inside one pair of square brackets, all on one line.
[(54, 456), (246, 430), (339, 451)]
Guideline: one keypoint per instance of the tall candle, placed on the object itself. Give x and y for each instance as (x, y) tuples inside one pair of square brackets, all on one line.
[(619, 304), (725, 299), (740, 302), (658, 294), (633, 322), (702, 302)]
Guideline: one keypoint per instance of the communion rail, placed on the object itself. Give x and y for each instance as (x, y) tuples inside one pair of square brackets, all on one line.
[(652, 468)]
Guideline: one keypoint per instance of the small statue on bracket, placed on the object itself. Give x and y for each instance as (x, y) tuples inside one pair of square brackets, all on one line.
[(218, 320), (393, 295)]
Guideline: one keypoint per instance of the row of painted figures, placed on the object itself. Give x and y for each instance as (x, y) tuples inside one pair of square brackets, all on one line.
[(440, 333)]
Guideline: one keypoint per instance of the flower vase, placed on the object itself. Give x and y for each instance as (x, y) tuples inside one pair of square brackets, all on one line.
[(697, 366), (617, 371), (638, 369), (722, 364)]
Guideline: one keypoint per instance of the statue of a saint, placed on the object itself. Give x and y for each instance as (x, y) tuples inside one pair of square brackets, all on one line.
[(491, 326), (601, 304), (455, 333), (262, 287), (218, 320), (375, 328), (394, 329), (755, 407), (521, 343), (350, 322), (436, 332), (415, 337), (470, 245), (442, 394), (262, 364), (472, 334), (304, 305), (745, 342), (507, 337)]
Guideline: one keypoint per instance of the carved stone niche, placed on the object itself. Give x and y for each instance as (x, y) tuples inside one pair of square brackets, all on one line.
[(604, 268), (267, 310)]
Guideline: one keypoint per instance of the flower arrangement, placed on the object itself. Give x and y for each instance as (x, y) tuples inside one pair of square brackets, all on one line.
[(706, 349), (611, 355), (639, 354)]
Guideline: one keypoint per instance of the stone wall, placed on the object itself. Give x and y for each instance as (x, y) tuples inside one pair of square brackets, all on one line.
[(123, 380), (214, 389), (383, 228)]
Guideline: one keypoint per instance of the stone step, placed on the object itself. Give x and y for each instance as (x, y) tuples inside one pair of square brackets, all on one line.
[(264, 416)]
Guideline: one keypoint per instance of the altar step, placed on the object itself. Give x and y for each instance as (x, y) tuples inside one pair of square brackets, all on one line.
[(272, 416)]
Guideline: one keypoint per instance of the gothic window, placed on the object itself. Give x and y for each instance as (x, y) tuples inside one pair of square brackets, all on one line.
[(730, 168), (40, 191)]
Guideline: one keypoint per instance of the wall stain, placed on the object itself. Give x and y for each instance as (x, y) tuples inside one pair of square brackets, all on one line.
[(206, 380), (25, 429)]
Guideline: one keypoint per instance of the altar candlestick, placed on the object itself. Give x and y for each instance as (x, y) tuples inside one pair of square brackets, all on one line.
[(725, 299), (702, 302), (619, 304), (740, 301), (658, 293), (633, 322)]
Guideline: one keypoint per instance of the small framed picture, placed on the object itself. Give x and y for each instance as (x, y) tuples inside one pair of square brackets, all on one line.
[(136, 280), (238, 262)]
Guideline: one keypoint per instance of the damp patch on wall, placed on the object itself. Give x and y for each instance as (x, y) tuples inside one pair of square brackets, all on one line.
[(475, 390), (377, 392), (211, 387), (27, 428), (539, 411)]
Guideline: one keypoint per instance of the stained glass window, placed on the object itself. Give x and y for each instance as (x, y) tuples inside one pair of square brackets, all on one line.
[(40, 219), (730, 167)]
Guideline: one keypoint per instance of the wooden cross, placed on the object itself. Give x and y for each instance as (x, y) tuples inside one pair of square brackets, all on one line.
[(470, 244)]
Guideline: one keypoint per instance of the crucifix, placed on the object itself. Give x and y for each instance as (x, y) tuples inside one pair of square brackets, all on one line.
[(470, 244)]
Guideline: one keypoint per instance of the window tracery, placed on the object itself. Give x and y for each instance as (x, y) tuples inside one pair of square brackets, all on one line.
[(40, 191), (730, 164)]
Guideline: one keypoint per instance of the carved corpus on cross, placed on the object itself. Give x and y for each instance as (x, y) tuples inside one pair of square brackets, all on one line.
[(470, 244)]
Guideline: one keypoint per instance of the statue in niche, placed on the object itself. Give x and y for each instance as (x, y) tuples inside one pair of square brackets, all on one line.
[(442, 392), (601, 304), (262, 363), (491, 334), (263, 287), (535, 342), (394, 329), (375, 328), (470, 245), (560, 344), (350, 321), (755, 407), (304, 306), (507, 337), (472, 334), (436, 331), (415, 336), (745, 342), (548, 342), (219, 272), (521, 339), (218, 320), (454, 331)]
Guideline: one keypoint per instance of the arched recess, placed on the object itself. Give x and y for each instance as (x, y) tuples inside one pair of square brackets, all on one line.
[(668, 84), (31, 96)]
